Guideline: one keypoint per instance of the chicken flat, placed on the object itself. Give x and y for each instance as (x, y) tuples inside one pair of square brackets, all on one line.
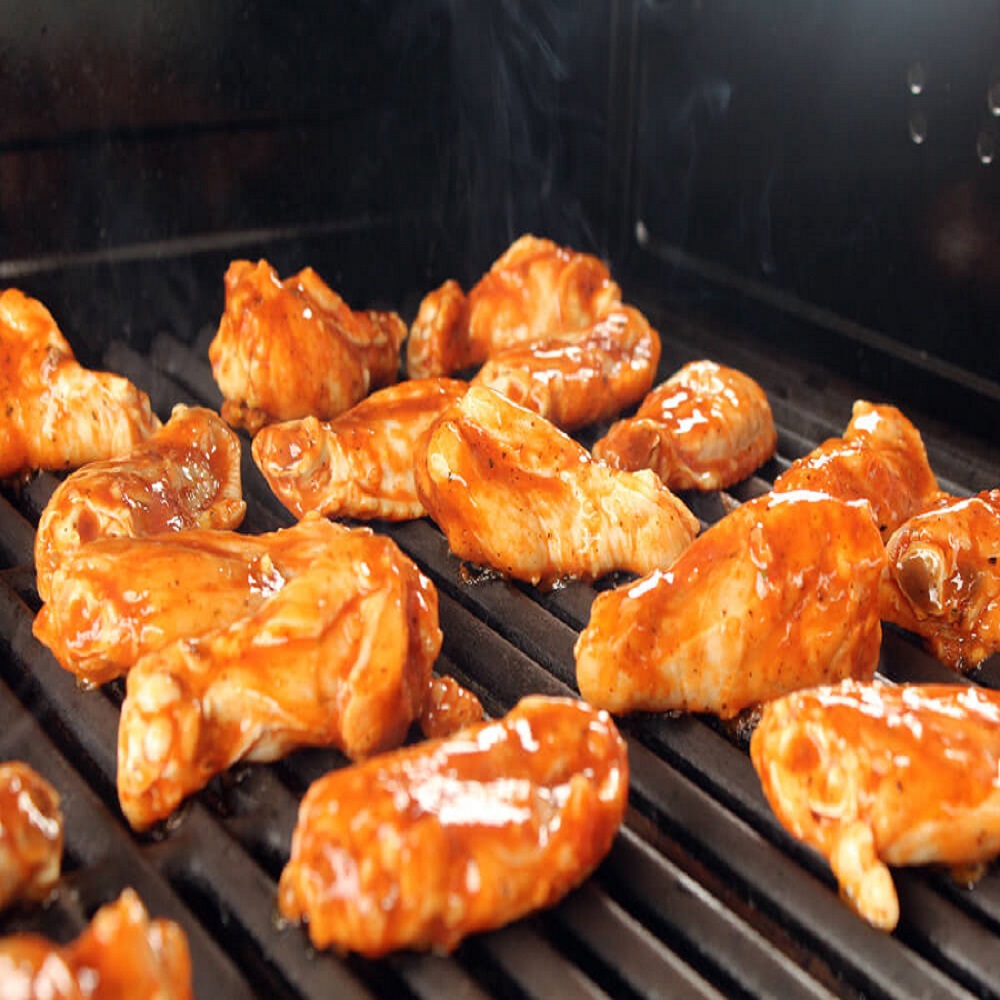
[(117, 599), (706, 427), (943, 581), (881, 458), (291, 349), (535, 289), (578, 377), (360, 464), (512, 492), (56, 414), (872, 775), (122, 955), (186, 475), (31, 835), (340, 656), (422, 847), (780, 594)]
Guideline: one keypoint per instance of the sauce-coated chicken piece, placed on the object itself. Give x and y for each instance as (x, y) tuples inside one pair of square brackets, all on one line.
[(448, 708), (31, 834), (581, 376), (122, 955), (780, 594), (874, 775), (187, 475), (534, 290), (340, 656), (513, 492), (943, 578), (359, 464), (117, 599), (881, 458), (294, 348), (706, 427), (424, 846), (56, 414)]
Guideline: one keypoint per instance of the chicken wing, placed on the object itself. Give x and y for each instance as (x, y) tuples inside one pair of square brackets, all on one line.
[(31, 834), (448, 708), (780, 594), (186, 475), (340, 656), (359, 464), (943, 582), (117, 599), (578, 377), (874, 775), (424, 846), (707, 427), (122, 955), (535, 289), (512, 492), (55, 413), (294, 348), (881, 458)]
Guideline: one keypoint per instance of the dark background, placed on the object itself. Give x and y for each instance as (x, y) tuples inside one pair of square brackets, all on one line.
[(820, 175)]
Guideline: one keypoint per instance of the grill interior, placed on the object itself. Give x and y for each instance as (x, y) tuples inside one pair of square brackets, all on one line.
[(702, 895)]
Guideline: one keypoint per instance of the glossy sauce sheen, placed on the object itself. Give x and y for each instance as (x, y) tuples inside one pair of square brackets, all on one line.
[(122, 955), (361, 463), (943, 579), (449, 707), (423, 846), (782, 593), (290, 349), (535, 289), (875, 774), (707, 427), (186, 475), (55, 414)]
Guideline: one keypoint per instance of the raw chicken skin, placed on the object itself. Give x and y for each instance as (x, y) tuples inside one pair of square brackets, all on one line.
[(340, 656), (122, 955), (780, 594), (706, 427), (943, 581), (512, 492), (360, 464), (117, 599), (31, 835), (54, 413), (582, 376), (874, 775), (424, 846), (881, 458), (534, 290), (294, 348), (186, 475)]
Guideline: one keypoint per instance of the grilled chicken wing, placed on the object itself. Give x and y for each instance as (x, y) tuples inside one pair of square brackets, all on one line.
[(535, 289), (116, 599), (708, 426), (874, 775), (340, 656), (881, 458), (54, 413), (943, 581), (294, 348), (31, 835), (781, 594), (421, 847), (359, 464), (448, 708), (186, 475), (512, 492), (122, 955), (578, 377)]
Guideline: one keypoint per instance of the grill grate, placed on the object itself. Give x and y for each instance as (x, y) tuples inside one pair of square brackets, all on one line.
[(703, 893)]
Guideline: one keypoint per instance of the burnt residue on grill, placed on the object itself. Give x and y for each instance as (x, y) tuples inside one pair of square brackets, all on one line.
[(703, 893)]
